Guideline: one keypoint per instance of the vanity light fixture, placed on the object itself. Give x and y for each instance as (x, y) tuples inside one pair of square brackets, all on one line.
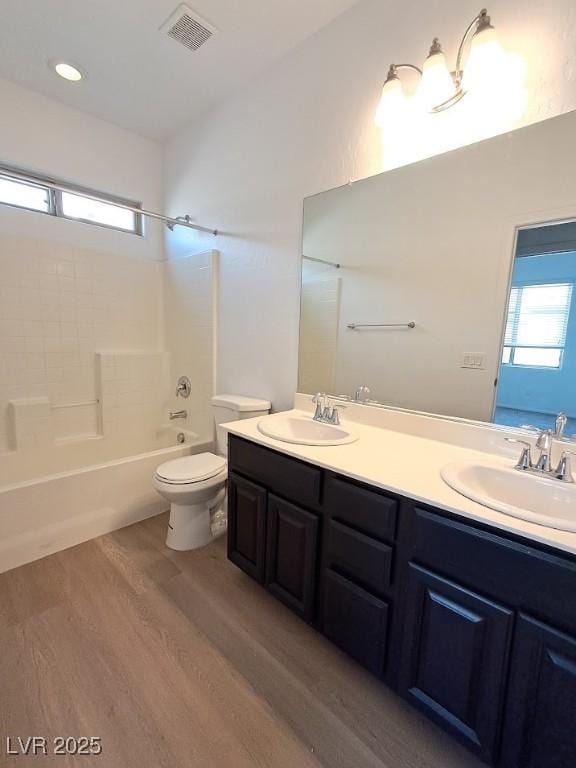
[(439, 88)]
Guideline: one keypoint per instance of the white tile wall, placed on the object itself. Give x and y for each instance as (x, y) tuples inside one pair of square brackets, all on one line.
[(319, 318), (132, 388), (190, 308), (59, 305)]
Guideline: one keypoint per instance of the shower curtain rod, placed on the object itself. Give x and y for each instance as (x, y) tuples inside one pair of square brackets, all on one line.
[(322, 261), (180, 221)]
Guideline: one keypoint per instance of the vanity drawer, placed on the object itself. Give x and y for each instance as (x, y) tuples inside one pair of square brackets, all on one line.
[(285, 476), (358, 557), (356, 621), (368, 511), (509, 570)]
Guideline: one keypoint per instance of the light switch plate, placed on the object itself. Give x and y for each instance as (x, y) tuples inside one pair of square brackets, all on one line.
[(473, 360)]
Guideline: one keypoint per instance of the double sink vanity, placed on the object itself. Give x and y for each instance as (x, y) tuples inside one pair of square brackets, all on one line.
[(467, 612), (405, 519)]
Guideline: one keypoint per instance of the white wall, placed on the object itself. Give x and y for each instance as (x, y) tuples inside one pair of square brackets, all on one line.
[(306, 125)]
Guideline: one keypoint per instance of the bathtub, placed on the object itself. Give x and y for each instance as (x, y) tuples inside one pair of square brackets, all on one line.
[(46, 514)]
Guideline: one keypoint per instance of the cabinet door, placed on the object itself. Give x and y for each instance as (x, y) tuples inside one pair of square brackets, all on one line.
[(356, 621), (455, 657), (247, 526), (291, 559), (540, 726)]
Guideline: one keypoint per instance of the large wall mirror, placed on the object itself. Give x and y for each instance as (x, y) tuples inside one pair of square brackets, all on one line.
[(447, 286)]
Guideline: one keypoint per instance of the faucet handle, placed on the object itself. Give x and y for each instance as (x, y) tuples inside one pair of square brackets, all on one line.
[(183, 387), (327, 411), (560, 424), (525, 460), (318, 398), (563, 471), (362, 394), (330, 412)]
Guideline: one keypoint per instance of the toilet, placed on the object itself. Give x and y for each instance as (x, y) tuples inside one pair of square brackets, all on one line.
[(195, 485)]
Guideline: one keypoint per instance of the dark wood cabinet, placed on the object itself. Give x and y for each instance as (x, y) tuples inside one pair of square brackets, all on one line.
[(247, 526), (360, 558), (292, 555), (356, 621), (456, 616), (454, 666), (368, 511), (540, 727), (281, 474)]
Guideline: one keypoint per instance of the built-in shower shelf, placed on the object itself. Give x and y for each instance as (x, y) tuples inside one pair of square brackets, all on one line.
[(80, 438)]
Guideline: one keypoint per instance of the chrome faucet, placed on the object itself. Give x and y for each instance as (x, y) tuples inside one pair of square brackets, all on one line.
[(178, 415), (362, 394), (324, 413), (559, 426), (561, 421), (544, 444), (543, 466)]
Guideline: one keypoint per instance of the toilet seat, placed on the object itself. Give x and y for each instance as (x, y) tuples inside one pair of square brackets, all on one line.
[(191, 469)]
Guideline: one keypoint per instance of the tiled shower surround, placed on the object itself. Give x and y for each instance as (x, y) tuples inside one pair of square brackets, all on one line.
[(84, 363)]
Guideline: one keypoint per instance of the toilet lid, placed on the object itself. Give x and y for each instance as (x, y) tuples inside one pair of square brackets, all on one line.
[(191, 469)]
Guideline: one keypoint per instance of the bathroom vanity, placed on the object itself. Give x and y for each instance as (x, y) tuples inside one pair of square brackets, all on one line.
[(472, 623)]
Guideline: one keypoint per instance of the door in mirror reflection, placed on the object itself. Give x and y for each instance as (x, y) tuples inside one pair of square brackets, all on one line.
[(537, 377)]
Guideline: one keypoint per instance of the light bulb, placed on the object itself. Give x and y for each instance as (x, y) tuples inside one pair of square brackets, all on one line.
[(486, 62), (436, 85), (66, 70), (392, 102)]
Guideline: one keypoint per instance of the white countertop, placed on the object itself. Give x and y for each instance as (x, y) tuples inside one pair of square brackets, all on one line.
[(410, 466)]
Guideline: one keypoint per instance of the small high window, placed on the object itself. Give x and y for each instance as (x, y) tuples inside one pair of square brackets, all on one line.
[(536, 325), (95, 212), (24, 195), (22, 190)]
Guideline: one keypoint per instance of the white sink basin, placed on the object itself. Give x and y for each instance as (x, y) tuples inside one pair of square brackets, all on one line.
[(537, 499), (302, 429)]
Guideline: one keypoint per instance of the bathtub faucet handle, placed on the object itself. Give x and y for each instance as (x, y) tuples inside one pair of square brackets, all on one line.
[(183, 387)]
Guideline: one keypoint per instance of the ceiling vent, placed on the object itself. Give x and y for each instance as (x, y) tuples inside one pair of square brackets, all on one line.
[(187, 27)]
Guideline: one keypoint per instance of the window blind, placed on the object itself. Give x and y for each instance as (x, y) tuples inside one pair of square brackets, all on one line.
[(536, 324)]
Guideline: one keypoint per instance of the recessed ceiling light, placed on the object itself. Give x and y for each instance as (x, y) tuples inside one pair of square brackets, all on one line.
[(67, 71)]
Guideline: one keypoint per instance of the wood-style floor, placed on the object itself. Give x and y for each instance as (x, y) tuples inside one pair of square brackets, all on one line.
[(179, 660)]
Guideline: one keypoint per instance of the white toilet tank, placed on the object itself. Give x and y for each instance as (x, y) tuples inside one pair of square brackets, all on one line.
[(232, 408)]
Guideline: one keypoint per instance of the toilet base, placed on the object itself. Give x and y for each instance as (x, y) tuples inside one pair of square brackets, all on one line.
[(188, 527), (219, 519), (194, 525)]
